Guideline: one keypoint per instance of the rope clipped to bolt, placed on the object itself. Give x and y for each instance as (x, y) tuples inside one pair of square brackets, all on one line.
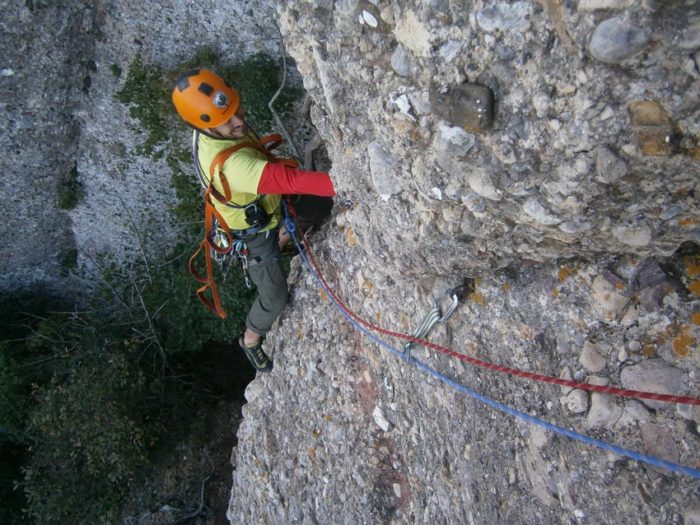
[(364, 327), (412, 339)]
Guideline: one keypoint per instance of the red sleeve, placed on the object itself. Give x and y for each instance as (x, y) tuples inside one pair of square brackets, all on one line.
[(279, 179)]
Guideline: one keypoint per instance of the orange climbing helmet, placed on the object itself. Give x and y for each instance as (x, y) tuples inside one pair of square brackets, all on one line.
[(203, 99)]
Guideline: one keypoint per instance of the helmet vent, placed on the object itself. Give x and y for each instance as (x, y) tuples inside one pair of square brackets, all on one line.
[(184, 81), (204, 117), (206, 89)]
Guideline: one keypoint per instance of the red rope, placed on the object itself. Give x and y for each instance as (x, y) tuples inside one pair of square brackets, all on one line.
[(666, 398)]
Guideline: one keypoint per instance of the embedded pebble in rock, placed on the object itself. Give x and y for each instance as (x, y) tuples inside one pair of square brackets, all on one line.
[(503, 17), (411, 31), (658, 442), (692, 515), (380, 420), (566, 374), (591, 5), (636, 411), (539, 213), (652, 127), (591, 359), (576, 401), (606, 299), (654, 375), (481, 183), (636, 236), (383, 168), (691, 412), (616, 39), (400, 61), (604, 411), (609, 166), (468, 105), (452, 144)]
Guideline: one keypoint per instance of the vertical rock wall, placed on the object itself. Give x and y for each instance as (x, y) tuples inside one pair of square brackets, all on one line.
[(46, 49), (574, 210), (62, 65)]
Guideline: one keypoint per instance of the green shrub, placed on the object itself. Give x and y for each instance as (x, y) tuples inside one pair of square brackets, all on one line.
[(88, 440), (70, 190), (147, 93)]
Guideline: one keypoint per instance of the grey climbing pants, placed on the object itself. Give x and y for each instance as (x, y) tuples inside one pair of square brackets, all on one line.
[(270, 280)]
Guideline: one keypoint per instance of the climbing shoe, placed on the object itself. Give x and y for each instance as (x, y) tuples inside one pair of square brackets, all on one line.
[(256, 356)]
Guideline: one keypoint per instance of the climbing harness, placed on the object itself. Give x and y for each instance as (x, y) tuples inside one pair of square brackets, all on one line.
[(218, 237), (436, 316), (368, 329)]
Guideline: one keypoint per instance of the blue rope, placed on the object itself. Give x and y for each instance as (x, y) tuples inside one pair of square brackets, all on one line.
[(637, 456)]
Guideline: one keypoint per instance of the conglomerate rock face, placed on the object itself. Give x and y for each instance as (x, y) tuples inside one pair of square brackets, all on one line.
[(548, 152), (545, 152)]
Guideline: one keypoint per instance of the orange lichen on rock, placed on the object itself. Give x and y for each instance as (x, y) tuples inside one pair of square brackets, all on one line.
[(696, 318), (505, 287), (478, 298), (648, 351), (695, 287), (690, 221), (564, 273), (682, 345), (555, 293), (350, 237), (692, 266)]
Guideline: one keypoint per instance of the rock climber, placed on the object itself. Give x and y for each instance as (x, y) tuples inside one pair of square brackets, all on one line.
[(253, 213)]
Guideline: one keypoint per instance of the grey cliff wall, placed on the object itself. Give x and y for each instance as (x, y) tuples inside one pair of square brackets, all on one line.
[(575, 212), (58, 84)]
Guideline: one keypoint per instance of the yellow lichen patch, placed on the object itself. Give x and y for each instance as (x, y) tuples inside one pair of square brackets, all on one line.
[(312, 452), (620, 285), (648, 351), (690, 221), (350, 237), (564, 273), (696, 318), (505, 287), (695, 287), (478, 298), (324, 297), (555, 293), (692, 266), (327, 417), (682, 344), (367, 288)]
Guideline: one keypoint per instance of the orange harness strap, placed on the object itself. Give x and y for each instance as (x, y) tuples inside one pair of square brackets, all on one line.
[(265, 145)]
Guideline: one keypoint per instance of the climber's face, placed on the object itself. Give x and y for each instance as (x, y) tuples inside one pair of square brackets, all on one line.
[(234, 128)]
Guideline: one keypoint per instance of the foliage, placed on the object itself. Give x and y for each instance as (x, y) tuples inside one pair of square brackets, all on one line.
[(257, 80), (86, 446), (116, 70), (88, 400), (148, 97), (70, 190)]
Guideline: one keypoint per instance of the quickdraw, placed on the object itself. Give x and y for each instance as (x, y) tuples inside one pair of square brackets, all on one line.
[(436, 316)]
